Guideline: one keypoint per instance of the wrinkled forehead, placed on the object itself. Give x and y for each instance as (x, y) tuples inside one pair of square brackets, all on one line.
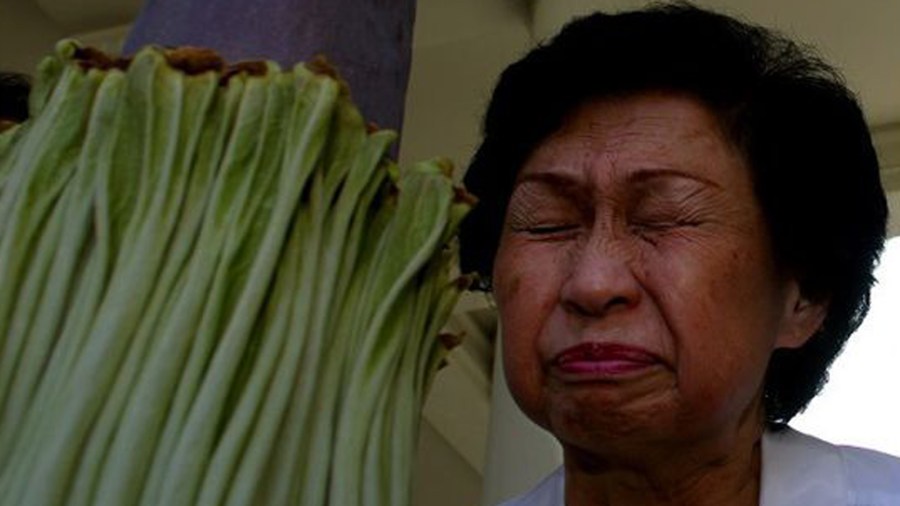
[(608, 139)]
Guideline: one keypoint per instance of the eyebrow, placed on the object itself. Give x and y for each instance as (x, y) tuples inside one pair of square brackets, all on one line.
[(549, 178), (663, 173), (639, 176)]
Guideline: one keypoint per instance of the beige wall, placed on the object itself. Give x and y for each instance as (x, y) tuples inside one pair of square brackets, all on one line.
[(441, 477), (460, 47), (26, 34)]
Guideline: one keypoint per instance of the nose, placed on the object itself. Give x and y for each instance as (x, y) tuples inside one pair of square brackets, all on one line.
[(601, 278)]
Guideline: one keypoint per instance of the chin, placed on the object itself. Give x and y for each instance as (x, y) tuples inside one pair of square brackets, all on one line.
[(611, 427)]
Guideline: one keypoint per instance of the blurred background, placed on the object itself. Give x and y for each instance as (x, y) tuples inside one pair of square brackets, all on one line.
[(475, 448)]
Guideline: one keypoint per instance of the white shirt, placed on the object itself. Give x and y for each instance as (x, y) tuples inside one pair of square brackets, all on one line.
[(797, 470)]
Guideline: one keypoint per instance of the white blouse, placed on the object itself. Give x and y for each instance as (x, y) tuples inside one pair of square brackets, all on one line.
[(797, 470)]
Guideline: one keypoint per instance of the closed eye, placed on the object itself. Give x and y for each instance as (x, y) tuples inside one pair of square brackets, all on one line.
[(550, 231), (665, 224), (661, 226), (653, 226)]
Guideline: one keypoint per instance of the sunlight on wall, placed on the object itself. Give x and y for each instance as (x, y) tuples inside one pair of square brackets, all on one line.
[(859, 405)]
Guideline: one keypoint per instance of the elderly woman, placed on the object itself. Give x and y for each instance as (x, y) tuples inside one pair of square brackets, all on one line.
[(679, 220)]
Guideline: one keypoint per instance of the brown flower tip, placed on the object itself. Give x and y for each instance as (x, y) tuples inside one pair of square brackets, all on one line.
[(93, 58), (194, 60), (187, 59), (449, 341), (6, 124), (445, 166), (466, 281), (319, 64), (252, 68), (462, 196)]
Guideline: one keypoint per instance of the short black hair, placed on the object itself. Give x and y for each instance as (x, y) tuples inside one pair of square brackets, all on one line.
[(790, 114)]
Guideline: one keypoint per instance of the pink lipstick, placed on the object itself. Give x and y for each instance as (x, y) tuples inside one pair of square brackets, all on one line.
[(594, 361)]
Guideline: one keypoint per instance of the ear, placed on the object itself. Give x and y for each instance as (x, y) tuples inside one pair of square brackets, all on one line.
[(802, 318)]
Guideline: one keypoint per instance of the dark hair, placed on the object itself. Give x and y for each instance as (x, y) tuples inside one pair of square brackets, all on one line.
[(14, 89), (815, 171)]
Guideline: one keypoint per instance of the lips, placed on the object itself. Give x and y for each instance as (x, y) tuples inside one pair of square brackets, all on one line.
[(598, 361)]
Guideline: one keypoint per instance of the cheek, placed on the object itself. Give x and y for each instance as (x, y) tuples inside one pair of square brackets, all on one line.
[(718, 306), (525, 296), (716, 300), (522, 362), (526, 288)]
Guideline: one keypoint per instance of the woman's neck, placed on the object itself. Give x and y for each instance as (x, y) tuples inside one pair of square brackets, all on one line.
[(718, 473)]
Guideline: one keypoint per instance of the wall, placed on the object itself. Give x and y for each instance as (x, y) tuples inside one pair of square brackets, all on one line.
[(460, 48), (26, 34)]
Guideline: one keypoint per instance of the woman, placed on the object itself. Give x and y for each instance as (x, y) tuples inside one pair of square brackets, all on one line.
[(679, 220)]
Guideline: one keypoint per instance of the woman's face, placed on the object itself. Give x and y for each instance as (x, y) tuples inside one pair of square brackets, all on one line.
[(635, 280)]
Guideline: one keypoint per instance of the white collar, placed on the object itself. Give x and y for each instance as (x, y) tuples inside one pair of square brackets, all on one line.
[(797, 470), (800, 470)]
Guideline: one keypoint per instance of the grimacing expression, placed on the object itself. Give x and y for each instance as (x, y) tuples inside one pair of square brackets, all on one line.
[(637, 290)]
